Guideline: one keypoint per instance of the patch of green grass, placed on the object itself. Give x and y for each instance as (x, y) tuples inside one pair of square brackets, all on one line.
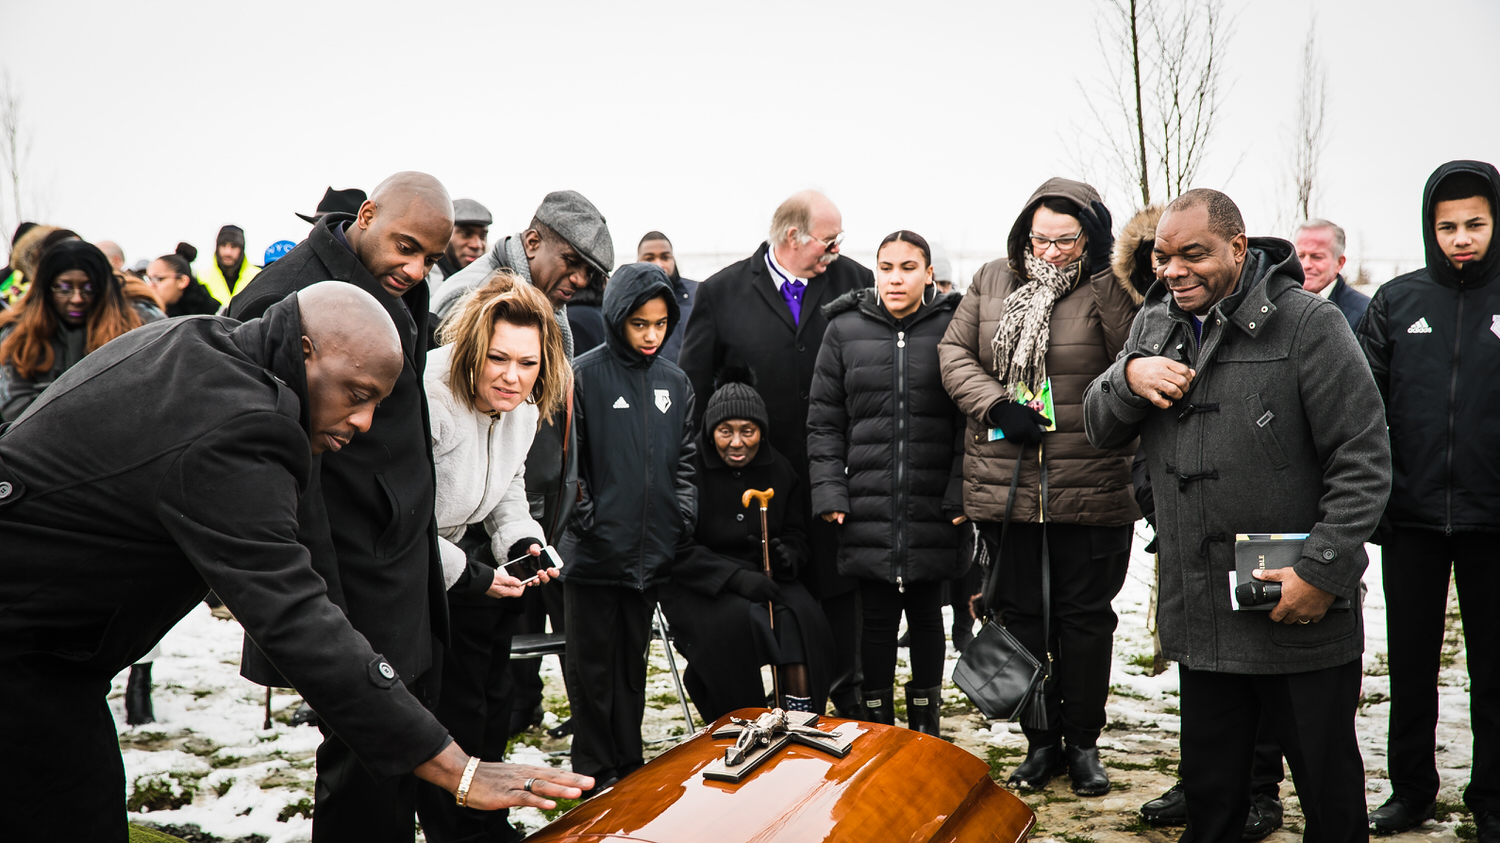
[(1446, 811), (1382, 666), (998, 757), (1074, 838), (1144, 661), (224, 760), (163, 791), (1127, 692), (663, 700), (1172, 710), (223, 787), (1136, 826), (563, 806), (1466, 831), (301, 808), (1375, 698), (1160, 764), (1059, 800)]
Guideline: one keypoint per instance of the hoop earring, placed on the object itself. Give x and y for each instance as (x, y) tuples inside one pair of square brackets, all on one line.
[(932, 287)]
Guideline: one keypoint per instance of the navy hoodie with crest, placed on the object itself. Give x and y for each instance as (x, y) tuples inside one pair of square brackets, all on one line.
[(636, 442)]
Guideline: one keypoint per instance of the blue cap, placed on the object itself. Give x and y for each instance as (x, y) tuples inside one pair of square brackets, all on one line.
[(278, 250)]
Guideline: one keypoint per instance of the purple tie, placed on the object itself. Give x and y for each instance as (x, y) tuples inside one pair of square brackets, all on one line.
[(792, 291)]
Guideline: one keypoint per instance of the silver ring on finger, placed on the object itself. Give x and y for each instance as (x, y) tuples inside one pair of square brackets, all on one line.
[(527, 787)]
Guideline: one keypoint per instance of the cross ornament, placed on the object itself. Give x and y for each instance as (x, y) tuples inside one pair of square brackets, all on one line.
[(758, 739)]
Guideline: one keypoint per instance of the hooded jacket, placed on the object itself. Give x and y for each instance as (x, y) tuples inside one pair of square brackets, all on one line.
[(1432, 338), (1085, 485), (633, 413), (112, 532), (379, 489), (1131, 262), (884, 440), (1281, 432)]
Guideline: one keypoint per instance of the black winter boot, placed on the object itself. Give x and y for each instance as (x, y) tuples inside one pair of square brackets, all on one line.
[(1041, 764), (138, 695), (880, 706), (924, 710)]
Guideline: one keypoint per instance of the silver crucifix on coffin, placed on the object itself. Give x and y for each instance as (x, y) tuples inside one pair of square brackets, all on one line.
[(756, 740)]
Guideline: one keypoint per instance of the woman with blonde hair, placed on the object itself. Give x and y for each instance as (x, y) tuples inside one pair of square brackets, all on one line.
[(500, 370)]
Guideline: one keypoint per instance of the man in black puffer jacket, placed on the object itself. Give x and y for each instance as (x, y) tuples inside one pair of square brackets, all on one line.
[(635, 442), (1433, 341)]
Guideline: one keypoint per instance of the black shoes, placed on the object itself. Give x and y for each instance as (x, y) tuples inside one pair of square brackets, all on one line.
[(1398, 815), (304, 716), (1171, 809), (1087, 771), (880, 706), (1041, 764), (1264, 817), (924, 710), (1488, 824)]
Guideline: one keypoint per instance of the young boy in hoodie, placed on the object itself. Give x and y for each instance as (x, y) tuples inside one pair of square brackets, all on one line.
[(633, 410)]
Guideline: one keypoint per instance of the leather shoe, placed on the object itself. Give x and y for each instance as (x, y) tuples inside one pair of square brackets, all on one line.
[(1087, 771), (1398, 815), (1488, 824), (1041, 764), (1170, 808), (1264, 817)]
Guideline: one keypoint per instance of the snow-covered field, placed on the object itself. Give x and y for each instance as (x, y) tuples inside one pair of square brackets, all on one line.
[(207, 761)]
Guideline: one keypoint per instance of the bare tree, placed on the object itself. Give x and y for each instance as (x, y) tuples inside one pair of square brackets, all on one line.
[(15, 141), (1309, 137), (1154, 116)]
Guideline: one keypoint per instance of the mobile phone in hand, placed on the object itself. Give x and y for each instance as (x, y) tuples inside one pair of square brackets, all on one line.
[(528, 568)]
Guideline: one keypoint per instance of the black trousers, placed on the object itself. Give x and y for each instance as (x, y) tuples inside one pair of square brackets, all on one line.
[(1088, 570), (847, 674), (884, 604), (474, 703), (62, 778), (1314, 722), (538, 606), (350, 804), (608, 631), (1415, 569)]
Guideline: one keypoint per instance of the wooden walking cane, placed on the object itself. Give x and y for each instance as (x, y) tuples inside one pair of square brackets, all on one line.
[(765, 551)]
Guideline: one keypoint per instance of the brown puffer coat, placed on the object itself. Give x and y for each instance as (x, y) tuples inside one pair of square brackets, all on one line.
[(1089, 325)]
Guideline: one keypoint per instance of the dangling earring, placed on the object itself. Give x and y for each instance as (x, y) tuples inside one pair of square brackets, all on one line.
[(932, 287)]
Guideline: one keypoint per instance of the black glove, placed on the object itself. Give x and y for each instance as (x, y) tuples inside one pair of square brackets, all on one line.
[(1018, 422), (753, 586), (786, 560), (1097, 223)]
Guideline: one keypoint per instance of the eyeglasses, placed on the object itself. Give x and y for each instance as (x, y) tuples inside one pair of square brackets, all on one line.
[(831, 243), (66, 291), (162, 279), (1062, 243)]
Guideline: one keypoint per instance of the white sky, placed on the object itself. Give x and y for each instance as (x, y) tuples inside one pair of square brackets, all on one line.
[(156, 122)]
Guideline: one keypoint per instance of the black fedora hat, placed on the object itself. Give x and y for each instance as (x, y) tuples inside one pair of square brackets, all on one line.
[(337, 202)]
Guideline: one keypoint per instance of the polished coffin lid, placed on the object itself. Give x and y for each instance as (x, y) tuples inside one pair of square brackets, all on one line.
[(894, 785)]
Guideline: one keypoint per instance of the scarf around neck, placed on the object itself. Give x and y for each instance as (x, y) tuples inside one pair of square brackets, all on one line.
[(1021, 338)]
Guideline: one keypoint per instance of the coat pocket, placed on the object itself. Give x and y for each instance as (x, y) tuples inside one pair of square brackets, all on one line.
[(393, 516), (1333, 628), (1264, 422)]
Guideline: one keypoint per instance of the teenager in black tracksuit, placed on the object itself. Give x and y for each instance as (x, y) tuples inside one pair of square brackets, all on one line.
[(883, 443), (1433, 341), (633, 414)]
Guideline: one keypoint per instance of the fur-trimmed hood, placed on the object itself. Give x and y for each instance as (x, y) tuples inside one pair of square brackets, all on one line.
[(1132, 257)]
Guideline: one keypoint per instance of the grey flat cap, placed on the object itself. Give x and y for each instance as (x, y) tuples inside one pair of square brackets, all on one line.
[(576, 220), (942, 268), (469, 212)]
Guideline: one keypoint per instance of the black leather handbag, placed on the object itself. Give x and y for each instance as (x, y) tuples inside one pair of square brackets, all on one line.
[(1000, 676)]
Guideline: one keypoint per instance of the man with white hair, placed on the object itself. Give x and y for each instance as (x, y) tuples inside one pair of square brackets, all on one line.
[(1320, 248), (766, 311)]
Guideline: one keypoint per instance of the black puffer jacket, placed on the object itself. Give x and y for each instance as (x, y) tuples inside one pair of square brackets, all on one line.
[(883, 440), (634, 414), (1432, 338)]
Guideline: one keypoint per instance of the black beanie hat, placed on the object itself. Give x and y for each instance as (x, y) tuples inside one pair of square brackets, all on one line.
[(735, 398), (231, 234)]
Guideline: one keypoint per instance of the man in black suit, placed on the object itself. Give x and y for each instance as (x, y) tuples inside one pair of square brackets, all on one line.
[(379, 553), (767, 311), (1320, 249)]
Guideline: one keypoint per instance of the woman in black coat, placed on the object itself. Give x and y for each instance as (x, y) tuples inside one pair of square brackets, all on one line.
[(882, 441), (716, 598)]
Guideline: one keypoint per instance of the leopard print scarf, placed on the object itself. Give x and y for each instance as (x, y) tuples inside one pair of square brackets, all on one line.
[(1020, 342)]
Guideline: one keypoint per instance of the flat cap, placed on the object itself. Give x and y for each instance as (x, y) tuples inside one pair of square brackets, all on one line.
[(576, 220), (942, 268), (469, 212)]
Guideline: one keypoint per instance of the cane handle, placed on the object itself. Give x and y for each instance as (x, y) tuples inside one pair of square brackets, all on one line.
[(755, 495)]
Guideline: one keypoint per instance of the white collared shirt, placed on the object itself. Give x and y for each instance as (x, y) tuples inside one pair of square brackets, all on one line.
[(779, 274), (1327, 292)]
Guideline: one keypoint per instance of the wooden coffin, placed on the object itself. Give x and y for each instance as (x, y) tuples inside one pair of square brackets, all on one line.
[(892, 785)]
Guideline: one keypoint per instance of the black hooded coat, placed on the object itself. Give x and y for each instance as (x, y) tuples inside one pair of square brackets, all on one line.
[(633, 413), (1432, 338), (111, 533), (884, 440), (380, 549)]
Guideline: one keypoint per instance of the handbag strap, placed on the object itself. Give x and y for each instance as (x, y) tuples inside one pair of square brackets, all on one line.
[(989, 585), (994, 572)]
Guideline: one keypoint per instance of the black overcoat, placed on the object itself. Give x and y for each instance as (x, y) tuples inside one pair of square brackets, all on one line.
[(885, 441), (740, 310), (713, 626), (379, 490), (168, 462)]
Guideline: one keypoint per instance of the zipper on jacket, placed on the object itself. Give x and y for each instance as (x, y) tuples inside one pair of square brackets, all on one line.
[(1458, 337), (640, 552), (489, 442), (899, 492)]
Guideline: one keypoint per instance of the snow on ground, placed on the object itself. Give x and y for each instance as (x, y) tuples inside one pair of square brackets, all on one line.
[(209, 756)]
